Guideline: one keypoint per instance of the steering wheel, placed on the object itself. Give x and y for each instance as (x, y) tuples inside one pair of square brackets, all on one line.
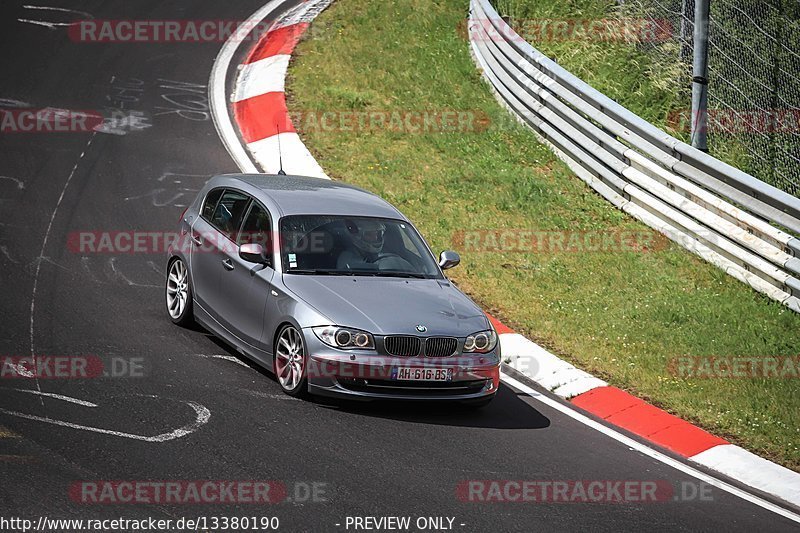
[(404, 266)]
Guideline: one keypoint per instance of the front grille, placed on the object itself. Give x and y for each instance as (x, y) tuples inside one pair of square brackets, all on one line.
[(404, 346), (441, 346)]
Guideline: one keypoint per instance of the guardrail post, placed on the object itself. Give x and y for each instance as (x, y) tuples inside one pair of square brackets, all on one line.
[(700, 76)]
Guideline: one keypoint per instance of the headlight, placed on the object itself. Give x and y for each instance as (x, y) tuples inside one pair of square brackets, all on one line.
[(481, 342), (345, 338)]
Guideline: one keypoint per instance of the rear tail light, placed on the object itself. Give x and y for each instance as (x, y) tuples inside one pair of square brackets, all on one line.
[(184, 212)]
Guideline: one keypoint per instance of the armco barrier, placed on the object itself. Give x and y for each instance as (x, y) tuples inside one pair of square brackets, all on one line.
[(729, 218)]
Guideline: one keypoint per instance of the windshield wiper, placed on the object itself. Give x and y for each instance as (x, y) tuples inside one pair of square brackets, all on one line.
[(390, 274), (320, 272)]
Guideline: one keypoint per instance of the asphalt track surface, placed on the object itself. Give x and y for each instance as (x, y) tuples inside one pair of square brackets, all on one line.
[(375, 460)]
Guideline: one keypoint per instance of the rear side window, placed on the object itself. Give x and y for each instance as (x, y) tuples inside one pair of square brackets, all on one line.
[(210, 203), (229, 212)]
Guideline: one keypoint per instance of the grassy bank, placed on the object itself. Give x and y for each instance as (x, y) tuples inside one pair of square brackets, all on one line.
[(622, 315)]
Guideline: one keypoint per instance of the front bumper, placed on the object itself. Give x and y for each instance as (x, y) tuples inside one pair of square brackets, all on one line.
[(368, 375)]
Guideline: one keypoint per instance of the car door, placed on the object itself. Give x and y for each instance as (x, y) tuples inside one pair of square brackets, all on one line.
[(212, 234), (246, 286)]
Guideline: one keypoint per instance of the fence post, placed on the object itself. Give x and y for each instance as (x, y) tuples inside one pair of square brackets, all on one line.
[(700, 76)]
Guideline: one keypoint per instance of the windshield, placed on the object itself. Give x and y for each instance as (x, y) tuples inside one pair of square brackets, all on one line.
[(354, 246)]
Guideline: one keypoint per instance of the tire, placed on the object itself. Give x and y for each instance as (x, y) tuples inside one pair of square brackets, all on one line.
[(290, 362), (178, 294)]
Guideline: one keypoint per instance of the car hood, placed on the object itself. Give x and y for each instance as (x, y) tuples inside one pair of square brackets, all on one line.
[(390, 305)]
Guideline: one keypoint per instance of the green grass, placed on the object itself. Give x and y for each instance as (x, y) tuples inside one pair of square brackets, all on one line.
[(651, 81), (619, 315), (649, 88)]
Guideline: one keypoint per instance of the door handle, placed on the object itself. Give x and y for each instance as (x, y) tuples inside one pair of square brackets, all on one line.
[(197, 240), (228, 264)]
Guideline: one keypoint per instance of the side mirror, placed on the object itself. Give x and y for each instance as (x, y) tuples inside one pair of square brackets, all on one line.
[(448, 259), (253, 253)]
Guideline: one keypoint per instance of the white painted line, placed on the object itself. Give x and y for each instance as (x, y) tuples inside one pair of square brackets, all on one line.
[(20, 183), (218, 101), (266, 75), (270, 396), (10, 102), (81, 15), (58, 397), (22, 371), (203, 416), (230, 358), (650, 452), (44, 246)]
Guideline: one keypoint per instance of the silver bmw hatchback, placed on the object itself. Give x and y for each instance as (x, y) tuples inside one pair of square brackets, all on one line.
[(332, 289)]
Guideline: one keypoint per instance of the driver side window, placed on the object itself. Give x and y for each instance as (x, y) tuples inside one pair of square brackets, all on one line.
[(229, 213), (257, 228)]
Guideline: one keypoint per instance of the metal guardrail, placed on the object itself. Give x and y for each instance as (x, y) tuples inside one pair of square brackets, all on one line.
[(729, 218)]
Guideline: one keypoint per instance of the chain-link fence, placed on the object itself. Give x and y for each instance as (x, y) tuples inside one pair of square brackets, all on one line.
[(754, 78)]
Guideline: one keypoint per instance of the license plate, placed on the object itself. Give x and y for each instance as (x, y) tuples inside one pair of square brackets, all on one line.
[(422, 374)]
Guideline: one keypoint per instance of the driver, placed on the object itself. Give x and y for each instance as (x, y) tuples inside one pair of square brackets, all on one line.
[(367, 237)]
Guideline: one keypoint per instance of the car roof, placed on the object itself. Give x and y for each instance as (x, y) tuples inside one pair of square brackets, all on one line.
[(302, 195)]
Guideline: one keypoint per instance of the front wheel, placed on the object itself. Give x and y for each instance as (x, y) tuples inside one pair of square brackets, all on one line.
[(179, 294), (290, 362)]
